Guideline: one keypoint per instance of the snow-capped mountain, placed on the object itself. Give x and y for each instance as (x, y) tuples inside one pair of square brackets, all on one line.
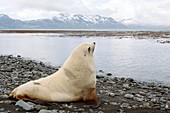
[(62, 21)]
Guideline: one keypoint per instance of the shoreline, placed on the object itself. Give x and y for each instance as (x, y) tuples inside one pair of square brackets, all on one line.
[(116, 94), (97, 33)]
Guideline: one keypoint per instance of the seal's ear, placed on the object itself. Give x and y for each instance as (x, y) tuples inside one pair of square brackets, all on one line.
[(89, 49)]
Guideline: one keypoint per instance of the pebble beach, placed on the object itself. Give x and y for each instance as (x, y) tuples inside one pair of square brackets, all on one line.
[(117, 95)]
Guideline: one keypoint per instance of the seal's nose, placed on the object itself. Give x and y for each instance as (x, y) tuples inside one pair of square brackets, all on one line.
[(94, 43)]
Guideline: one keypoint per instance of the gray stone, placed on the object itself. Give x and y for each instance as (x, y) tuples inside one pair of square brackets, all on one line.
[(138, 99), (163, 99), (3, 96), (142, 93), (112, 94), (60, 111), (100, 112), (39, 107), (2, 109), (154, 100), (138, 95), (91, 111), (125, 105), (151, 96), (122, 92), (134, 106), (24, 105), (127, 86), (129, 96), (7, 102), (114, 103), (80, 110), (47, 111), (147, 105), (167, 106)]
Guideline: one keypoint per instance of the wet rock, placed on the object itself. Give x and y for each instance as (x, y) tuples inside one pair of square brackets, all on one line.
[(129, 96), (24, 105)]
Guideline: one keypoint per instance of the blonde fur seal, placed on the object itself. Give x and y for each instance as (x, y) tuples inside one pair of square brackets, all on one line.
[(74, 81)]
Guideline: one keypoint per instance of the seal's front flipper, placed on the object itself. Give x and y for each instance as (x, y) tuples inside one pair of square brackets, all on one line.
[(92, 99)]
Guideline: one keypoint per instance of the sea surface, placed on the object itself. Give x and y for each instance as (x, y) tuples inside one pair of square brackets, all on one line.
[(141, 59)]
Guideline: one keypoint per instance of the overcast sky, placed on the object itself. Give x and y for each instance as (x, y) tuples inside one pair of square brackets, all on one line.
[(144, 12)]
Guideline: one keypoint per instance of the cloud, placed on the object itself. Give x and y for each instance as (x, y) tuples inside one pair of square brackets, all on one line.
[(153, 12), (143, 12)]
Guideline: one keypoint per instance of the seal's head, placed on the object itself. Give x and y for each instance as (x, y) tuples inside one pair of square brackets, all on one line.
[(84, 49), (82, 55)]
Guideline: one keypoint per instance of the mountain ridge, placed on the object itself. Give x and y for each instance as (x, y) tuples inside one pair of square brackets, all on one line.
[(62, 21)]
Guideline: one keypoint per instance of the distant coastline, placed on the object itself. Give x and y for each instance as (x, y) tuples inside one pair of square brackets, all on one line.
[(96, 33)]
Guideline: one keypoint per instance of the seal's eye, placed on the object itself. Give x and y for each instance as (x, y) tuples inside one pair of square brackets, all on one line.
[(89, 49)]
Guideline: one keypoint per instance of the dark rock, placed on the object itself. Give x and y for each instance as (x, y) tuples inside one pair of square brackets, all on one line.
[(101, 71), (130, 79), (109, 74), (99, 76), (19, 56)]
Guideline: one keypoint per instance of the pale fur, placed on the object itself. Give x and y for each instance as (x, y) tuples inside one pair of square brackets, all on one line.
[(72, 82)]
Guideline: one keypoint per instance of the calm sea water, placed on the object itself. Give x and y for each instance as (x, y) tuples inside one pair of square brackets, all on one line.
[(144, 60)]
